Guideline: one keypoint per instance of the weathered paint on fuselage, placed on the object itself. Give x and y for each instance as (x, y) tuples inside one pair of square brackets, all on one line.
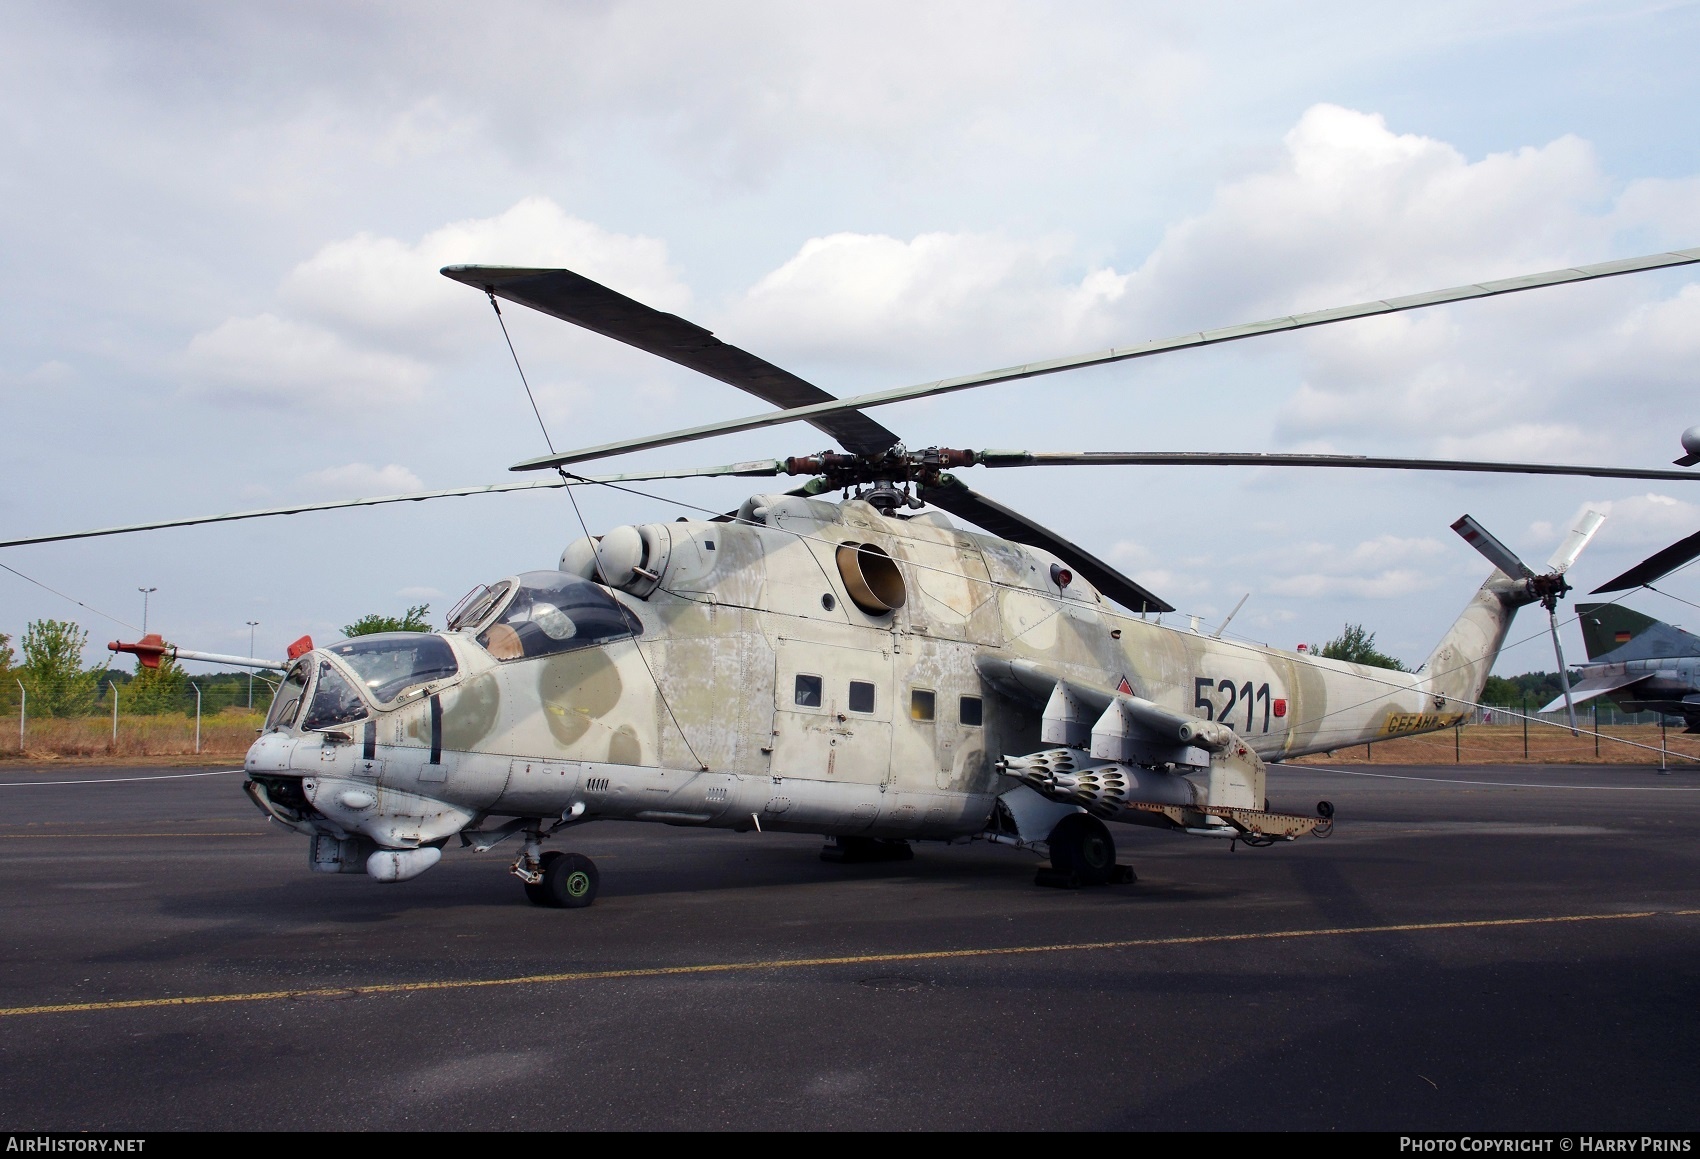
[(700, 721)]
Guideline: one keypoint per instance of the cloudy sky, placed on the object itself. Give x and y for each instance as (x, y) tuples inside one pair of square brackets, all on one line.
[(222, 226)]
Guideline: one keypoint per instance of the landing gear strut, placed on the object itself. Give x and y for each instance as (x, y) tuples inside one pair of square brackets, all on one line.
[(569, 881), (1083, 853), (555, 879)]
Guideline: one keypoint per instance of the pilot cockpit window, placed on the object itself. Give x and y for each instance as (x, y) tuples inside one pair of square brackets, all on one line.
[(286, 705), (334, 700), (554, 611), (389, 663)]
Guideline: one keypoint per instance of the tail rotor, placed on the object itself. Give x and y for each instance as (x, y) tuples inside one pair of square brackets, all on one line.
[(1547, 587)]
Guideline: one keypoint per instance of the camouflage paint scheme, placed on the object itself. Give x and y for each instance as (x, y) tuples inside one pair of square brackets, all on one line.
[(695, 721)]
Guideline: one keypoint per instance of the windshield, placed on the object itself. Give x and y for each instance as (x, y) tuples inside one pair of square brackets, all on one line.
[(287, 703), (554, 611), (389, 663), (334, 700)]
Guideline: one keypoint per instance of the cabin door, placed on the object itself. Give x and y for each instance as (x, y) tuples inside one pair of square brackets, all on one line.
[(832, 713)]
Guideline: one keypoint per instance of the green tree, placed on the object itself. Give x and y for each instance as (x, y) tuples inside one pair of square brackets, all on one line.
[(417, 619), (1358, 646), (1531, 688), (152, 691), (53, 669), (6, 653)]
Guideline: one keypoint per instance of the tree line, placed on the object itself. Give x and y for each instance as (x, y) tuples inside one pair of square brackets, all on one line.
[(49, 674)]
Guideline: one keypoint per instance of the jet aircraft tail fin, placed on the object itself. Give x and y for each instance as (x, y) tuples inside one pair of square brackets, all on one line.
[(1614, 634)]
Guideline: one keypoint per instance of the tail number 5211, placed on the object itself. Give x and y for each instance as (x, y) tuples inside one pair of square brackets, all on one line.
[(1245, 698)]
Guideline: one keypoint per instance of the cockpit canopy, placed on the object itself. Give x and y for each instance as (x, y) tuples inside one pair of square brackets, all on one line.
[(553, 611), (389, 663)]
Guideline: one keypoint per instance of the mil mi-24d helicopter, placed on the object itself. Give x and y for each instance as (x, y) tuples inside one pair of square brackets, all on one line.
[(873, 670)]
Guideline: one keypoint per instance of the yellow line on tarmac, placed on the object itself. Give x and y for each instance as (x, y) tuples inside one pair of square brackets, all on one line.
[(798, 963)]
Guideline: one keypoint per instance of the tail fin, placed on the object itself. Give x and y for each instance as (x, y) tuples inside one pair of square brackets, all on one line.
[(1614, 634)]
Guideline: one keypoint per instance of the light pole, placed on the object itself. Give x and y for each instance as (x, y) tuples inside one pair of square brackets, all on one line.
[(146, 592), (252, 624)]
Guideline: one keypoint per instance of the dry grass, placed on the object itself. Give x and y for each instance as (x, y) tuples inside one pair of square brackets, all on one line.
[(171, 735), (1502, 744)]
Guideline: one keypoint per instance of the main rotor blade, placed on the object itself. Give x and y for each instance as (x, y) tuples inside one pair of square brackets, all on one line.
[(952, 496), (576, 299), (1496, 552), (820, 410), (1655, 566), (1259, 459), (758, 467)]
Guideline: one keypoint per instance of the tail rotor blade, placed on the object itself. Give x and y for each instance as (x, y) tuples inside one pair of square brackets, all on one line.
[(1496, 552), (1565, 556)]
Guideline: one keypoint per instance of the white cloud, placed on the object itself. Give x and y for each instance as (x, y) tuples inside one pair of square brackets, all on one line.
[(419, 594), (869, 297), (357, 480), (50, 372), (1387, 585), (1386, 567), (1643, 520), (389, 290), (353, 318), (278, 361)]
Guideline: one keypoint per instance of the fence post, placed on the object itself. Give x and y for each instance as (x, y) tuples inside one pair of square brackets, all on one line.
[(197, 689), (1523, 705), (114, 688), (1458, 743), (23, 700), (1596, 728), (1662, 766)]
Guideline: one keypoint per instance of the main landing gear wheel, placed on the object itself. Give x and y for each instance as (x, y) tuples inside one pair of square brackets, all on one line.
[(1083, 853), (570, 881)]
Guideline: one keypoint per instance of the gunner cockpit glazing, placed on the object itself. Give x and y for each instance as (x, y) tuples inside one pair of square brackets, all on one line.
[(554, 611)]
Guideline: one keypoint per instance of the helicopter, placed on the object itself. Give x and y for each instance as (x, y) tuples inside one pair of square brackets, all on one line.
[(911, 661)]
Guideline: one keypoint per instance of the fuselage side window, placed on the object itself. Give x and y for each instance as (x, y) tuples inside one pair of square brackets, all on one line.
[(971, 711), (861, 696), (920, 704), (807, 691)]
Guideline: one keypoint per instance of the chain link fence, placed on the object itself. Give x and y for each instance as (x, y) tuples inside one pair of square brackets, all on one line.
[(103, 713)]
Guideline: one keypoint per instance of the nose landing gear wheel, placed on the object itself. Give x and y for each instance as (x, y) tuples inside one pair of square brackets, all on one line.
[(1083, 850), (570, 881)]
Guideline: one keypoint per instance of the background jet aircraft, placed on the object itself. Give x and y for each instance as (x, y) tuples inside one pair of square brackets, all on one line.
[(1641, 664)]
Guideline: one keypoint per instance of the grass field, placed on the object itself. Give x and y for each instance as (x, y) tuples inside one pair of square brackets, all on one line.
[(225, 735), (1503, 744)]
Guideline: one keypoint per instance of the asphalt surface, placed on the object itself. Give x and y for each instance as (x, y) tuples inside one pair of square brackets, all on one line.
[(115, 888)]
